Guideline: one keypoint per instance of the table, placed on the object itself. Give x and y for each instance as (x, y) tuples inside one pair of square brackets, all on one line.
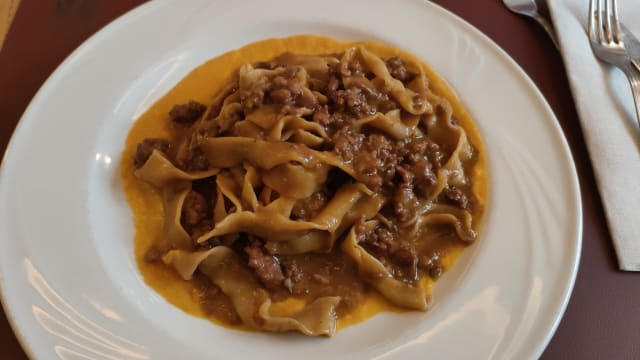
[(602, 318)]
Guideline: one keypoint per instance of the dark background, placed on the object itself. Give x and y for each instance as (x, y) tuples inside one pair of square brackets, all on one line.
[(602, 320)]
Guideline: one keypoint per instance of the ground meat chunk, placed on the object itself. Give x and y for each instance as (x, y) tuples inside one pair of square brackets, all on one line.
[(270, 65), (352, 69), (389, 250), (352, 100), (418, 148), (365, 86), (435, 272), (406, 176), (431, 264), (332, 87), (196, 215), (366, 166), (385, 104), (381, 241), (381, 146), (226, 122), (359, 229), (422, 170), (294, 87), (434, 154), (376, 100), (281, 96), (253, 98), (196, 160), (306, 209), (194, 209), (376, 162), (202, 228), (187, 114), (266, 267), (405, 203), (292, 274), (284, 89), (287, 90), (322, 117), (152, 255), (456, 197), (346, 144), (145, 149), (396, 68), (405, 255), (416, 164)]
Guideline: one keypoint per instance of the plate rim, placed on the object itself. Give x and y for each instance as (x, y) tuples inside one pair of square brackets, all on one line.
[(575, 183), (19, 331), (572, 169)]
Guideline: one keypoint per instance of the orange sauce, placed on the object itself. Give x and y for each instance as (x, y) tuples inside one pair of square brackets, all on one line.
[(201, 85)]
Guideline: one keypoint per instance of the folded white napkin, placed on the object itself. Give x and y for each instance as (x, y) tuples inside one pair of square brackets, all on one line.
[(607, 116)]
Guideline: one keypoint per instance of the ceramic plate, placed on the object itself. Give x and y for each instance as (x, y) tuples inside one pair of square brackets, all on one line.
[(69, 281)]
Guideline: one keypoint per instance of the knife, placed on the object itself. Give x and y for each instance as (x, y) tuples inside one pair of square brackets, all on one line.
[(632, 45)]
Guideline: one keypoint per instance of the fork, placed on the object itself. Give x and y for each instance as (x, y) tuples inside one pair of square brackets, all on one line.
[(606, 43)]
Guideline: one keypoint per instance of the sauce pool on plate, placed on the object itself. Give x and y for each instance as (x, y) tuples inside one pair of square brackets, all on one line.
[(415, 234)]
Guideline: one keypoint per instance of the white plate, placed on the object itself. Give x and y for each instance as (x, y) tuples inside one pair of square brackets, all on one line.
[(68, 276)]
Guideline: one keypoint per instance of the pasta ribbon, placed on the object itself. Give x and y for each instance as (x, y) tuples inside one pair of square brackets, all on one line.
[(223, 267), (374, 272)]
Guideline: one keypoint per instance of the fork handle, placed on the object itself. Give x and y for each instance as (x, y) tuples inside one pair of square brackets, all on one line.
[(634, 80)]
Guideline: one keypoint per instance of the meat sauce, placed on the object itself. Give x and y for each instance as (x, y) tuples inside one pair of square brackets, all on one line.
[(402, 171)]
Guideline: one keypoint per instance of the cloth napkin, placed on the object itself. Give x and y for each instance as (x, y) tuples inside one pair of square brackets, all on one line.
[(8, 10), (607, 116)]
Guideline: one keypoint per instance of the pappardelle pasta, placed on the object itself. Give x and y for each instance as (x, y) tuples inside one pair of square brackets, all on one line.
[(314, 181)]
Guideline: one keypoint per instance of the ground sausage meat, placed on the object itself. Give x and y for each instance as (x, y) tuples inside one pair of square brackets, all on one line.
[(405, 255), (187, 114), (405, 202), (194, 209), (396, 68), (346, 143), (374, 159), (286, 88), (266, 267), (196, 160), (456, 196), (146, 147), (292, 274), (381, 241), (384, 244)]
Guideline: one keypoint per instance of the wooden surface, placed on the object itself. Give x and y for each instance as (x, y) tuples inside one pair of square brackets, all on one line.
[(8, 10), (603, 317)]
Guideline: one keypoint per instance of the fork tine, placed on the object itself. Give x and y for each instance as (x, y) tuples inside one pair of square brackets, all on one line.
[(592, 20), (599, 23), (615, 23), (607, 21)]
